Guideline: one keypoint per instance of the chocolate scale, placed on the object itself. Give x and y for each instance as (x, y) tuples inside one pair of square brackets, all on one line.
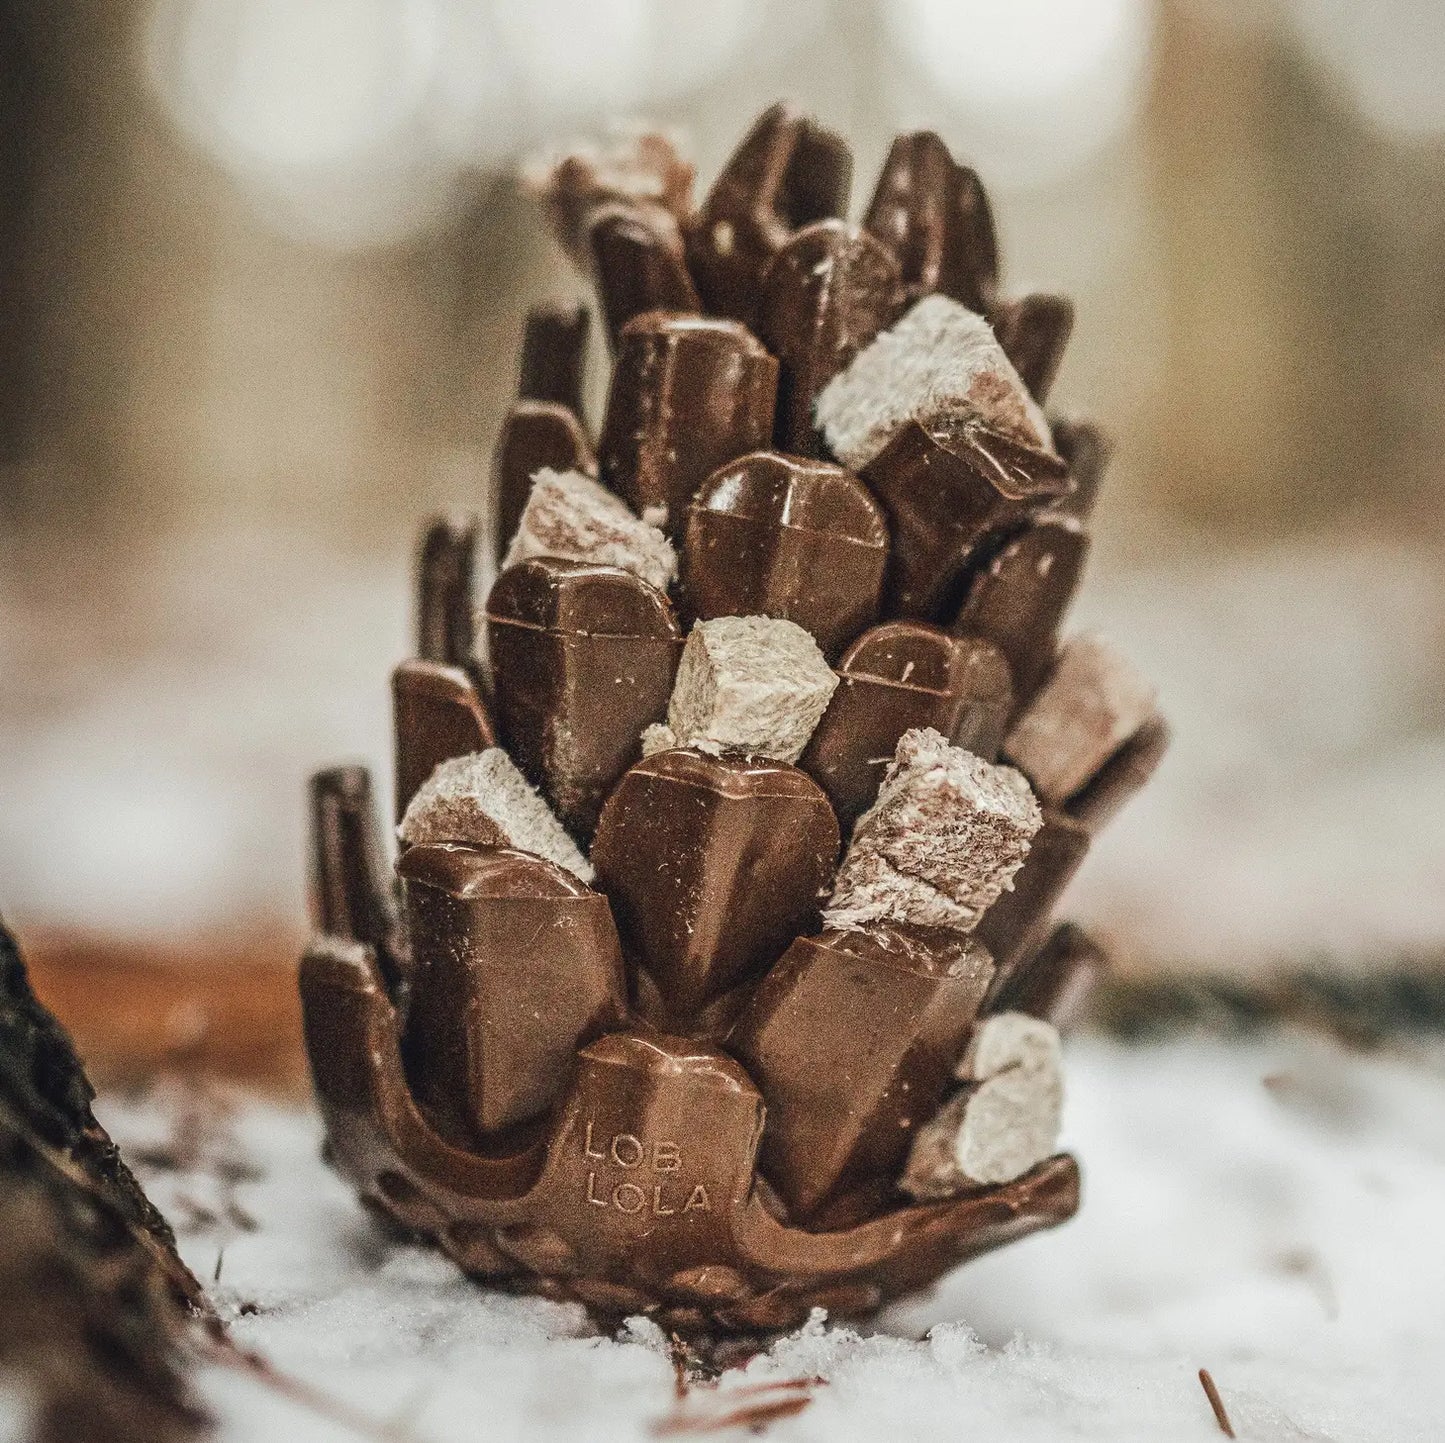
[(444, 591), (554, 352), (828, 292), (897, 676), (534, 435), (1056, 982), (437, 713), (515, 963), (786, 173), (952, 491), (689, 393), (712, 865), (1018, 601), (583, 658), (779, 536), (638, 264), (1086, 451), (852, 1038), (1126, 772), (933, 214), (1034, 331)]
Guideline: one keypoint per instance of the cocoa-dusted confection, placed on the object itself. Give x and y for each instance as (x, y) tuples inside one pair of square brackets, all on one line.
[(554, 355), (638, 265), (934, 215), (497, 1027), (571, 516), (894, 678), (713, 864), (689, 393), (852, 1037), (482, 799), (691, 1090), (583, 658), (1020, 598), (940, 844), (750, 685), (535, 436), (445, 567), (438, 712), (781, 536), (786, 173), (1034, 332), (829, 291), (1091, 704)]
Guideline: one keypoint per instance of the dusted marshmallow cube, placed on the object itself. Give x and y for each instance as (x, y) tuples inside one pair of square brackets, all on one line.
[(1091, 705), (1001, 1125), (572, 516), (939, 366), (943, 840), (750, 685), (483, 799)]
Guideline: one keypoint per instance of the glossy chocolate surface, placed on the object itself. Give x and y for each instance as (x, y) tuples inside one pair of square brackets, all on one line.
[(949, 492), (515, 963), (852, 1038), (934, 216), (828, 292), (780, 536), (712, 865), (688, 394), (637, 261), (437, 713), (897, 676), (583, 659), (554, 353), (1020, 598), (786, 173), (534, 435)]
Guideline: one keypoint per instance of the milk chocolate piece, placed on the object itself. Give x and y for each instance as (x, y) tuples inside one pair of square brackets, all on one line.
[(654, 1154), (350, 876), (1086, 451), (583, 658), (1091, 704), (752, 685), (638, 264), (1014, 928), (712, 865), (934, 215), (437, 712), (825, 296), (772, 535), (482, 799), (895, 677), (1054, 984), (950, 493), (689, 393), (554, 351), (444, 591), (516, 962), (786, 173), (946, 834), (535, 436), (1125, 773), (1034, 331), (852, 1037), (1019, 599), (1001, 1126)]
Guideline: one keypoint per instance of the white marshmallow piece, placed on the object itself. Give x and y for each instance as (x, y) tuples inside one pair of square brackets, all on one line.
[(940, 364), (572, 516), (482, 798)]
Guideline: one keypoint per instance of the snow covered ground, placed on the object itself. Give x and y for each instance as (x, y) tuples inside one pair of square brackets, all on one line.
[(1269, 1210)]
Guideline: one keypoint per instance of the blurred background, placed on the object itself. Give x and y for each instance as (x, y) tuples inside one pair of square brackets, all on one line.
[(262, 275)]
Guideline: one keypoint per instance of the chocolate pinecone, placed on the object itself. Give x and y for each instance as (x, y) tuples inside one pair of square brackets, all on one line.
[(732, 829)]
